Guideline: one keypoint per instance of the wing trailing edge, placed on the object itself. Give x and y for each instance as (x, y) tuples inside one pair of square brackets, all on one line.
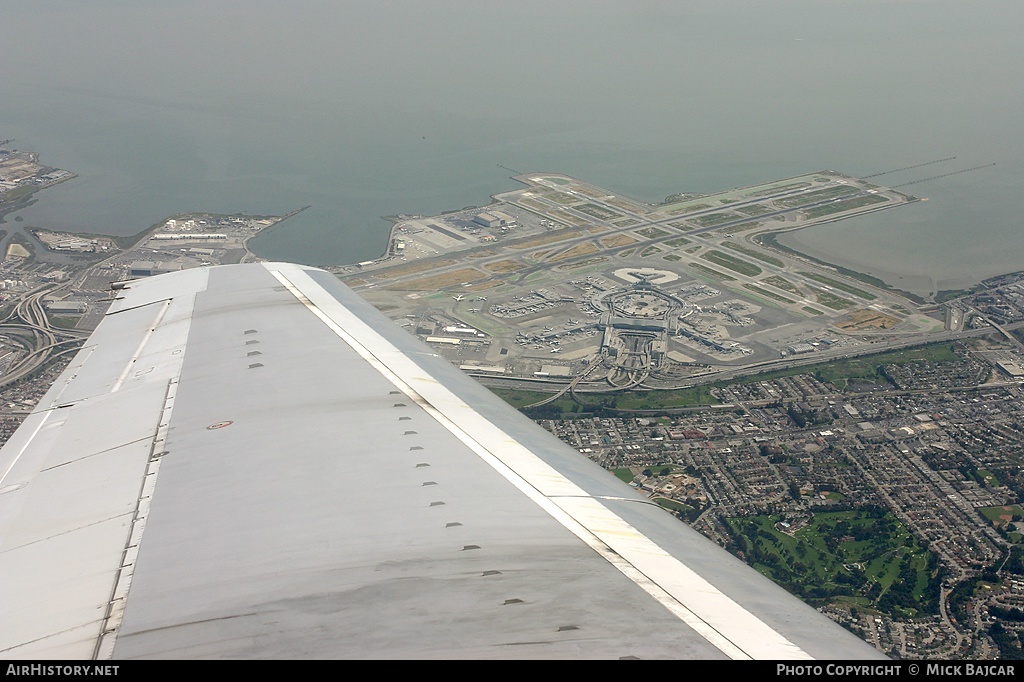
[(251, 462)]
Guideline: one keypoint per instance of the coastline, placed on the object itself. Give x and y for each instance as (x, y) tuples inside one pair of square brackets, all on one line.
[(919, 287), (250, 255), (916, 286)]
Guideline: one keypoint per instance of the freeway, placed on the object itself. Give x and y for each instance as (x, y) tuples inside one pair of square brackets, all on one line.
[(727, 374), (41, 341)]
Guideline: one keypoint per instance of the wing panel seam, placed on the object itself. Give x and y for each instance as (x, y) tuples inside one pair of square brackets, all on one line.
[(605, 533)]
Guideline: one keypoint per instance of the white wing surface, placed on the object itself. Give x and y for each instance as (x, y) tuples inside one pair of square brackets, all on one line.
[(250, 461)]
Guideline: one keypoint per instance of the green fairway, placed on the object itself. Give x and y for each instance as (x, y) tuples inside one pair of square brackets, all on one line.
[(866, 556)]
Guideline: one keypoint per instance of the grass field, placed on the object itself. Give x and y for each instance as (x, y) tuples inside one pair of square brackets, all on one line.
[(864, 557), (732, 263), (624, 474), (865, 369), (711, 271), (830, 300), (781, 283), (753, 253), (1002, 516), (671, 505)]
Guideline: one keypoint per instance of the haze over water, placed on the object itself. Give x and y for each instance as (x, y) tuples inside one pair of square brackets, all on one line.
[(364, 109)]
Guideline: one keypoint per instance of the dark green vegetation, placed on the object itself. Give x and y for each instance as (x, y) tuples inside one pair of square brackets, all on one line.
[(842, 374), (732, 263), (864, 558), (673, 505), (624, 474), (1007, 639), (605, 403), (1002, 516), (868, 369), (986, 477), (830, 300)]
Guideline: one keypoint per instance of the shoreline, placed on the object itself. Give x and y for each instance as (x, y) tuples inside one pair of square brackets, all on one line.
[(917, 287), (249, 253), (921, 288)]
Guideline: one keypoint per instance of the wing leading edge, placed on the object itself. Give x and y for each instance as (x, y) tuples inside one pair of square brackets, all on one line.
[(250, 461)]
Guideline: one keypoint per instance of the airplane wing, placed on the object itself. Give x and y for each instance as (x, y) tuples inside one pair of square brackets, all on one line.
[(249, 461)]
